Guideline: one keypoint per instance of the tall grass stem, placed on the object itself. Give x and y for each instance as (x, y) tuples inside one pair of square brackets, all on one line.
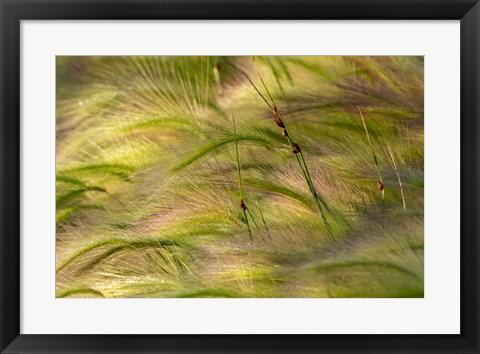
[(392, 157), (319, 200), (239, 173)]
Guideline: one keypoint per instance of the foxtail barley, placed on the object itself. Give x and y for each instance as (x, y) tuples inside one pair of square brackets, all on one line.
[(392, 157), (243, 206), (296, 150), (380, 184)]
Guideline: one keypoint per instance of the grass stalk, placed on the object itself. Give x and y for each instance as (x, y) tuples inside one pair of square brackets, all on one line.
[(371, 145), (380, 184), (251, 217), (392, 157), (263, 220), (239, 173)]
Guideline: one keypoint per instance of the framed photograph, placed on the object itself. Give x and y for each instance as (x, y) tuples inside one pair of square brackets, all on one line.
[(237, 176)]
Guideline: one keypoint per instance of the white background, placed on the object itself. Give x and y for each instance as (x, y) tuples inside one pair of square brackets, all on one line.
[(438, 312)]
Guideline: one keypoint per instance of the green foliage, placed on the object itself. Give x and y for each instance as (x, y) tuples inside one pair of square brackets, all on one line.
[(216, 144), (80, 292)]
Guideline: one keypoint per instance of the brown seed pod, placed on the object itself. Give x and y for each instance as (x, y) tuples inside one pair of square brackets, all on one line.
[(278, 121), (277, 118), (242, 205), (284, 133), (380, 185), (296, 148)]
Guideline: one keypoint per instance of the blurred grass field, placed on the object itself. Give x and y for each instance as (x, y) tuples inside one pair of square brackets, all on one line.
[(147, 190)]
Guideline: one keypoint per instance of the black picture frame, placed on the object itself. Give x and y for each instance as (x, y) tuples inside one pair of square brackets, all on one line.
[(14, 11)]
